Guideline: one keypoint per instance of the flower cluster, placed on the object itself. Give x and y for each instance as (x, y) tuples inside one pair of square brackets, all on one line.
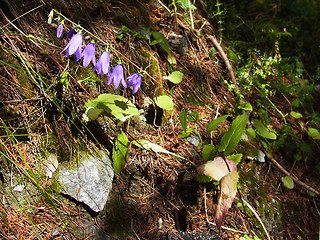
[(102, 66)]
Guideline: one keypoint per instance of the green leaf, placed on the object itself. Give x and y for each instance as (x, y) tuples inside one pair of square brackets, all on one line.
[(142, 143), (183, 119), (214, 123), (64, 79), (172, 60), (262, 130), (165, 102), (186, 133), (251, 132), (296, 114), (92, 113), (314, 133), (115, 105), (203, 178), (245, 106), (194, 117), (154, 42), (161, 40), (186, 5), (209, 152), (235, 157), (175, 77), (287, 182), (120, 152), (231, 138)]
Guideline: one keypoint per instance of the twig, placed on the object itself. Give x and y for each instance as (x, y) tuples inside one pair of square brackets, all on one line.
[(225, 59), (296, 180), (257, 216), (240, 215)]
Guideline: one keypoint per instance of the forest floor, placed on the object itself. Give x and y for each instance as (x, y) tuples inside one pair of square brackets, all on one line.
[(156, 195)]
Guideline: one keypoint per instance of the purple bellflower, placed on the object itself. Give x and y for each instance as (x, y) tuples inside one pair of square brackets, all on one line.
[(135, 81), (117, 76), (74, 46), (103, 64), (71, 33), (89, 54), (59, 30)]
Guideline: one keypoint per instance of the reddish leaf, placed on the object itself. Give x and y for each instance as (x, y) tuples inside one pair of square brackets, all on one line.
[(228, 190), (217, 168)]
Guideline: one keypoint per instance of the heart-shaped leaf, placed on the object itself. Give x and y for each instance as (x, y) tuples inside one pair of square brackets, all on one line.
[(314, 133), (165, 102), (287, 182), (295, 114), (112, 104), (175, 77)]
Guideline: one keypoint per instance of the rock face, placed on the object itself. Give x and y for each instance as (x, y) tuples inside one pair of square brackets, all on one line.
[(90, 182)]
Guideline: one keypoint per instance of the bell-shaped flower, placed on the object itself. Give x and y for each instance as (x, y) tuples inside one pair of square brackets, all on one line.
[(117, 76), (103, 64), (135, 81), (89, 54), (74, 46), (59, 30), (71, 33)]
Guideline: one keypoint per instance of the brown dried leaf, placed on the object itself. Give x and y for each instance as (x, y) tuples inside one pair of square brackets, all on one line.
[(217, 168), (228, 190)]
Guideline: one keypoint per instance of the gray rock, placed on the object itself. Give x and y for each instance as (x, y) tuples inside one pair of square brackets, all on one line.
[(194, 140), (90, 182)]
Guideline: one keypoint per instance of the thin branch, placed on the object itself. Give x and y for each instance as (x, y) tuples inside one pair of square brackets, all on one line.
[(296, 180), (225, 59), (257, 216)]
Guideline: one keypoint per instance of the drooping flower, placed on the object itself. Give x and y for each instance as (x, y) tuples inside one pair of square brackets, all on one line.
[(117, 76), (71, 33), (103, 64), (89, 54), (135, 81), (59, 30), (74, 46)]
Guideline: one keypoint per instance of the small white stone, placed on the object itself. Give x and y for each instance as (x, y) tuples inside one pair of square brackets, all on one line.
[(244, 137), (261, 156), (18, 188)]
